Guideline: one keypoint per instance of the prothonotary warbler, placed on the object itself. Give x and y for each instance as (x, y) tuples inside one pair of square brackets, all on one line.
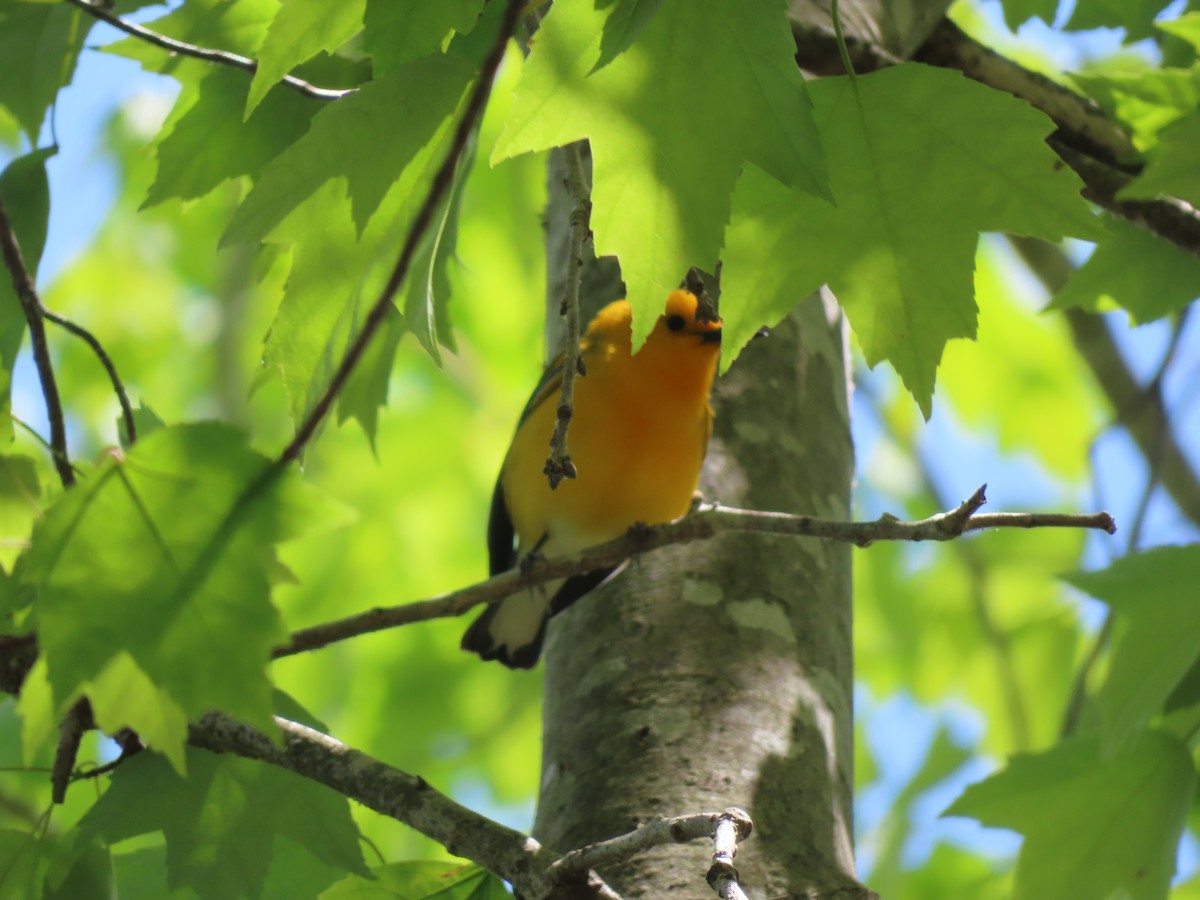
[(640, 429)]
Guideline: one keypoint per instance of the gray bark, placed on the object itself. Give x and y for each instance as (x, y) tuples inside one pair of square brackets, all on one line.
[(720, 674)]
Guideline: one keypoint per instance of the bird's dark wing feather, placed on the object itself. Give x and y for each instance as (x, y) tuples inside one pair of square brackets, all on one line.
[(502, 553)]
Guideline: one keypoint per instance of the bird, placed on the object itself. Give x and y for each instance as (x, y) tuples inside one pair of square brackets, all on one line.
[(640, 429)]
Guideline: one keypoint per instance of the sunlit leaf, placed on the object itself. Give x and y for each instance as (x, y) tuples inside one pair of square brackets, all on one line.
[(927, 159)]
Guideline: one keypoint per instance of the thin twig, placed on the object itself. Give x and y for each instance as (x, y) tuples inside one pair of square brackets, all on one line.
[(31, 305), (558, 463), (223, 57), (97, 348), (706, 522)]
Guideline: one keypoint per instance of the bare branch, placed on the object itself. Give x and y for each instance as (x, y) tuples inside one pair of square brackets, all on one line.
[(377, 786), (704, 523), (222, 57), (31, 305), (558, 463), (106, 361), (410, 799)]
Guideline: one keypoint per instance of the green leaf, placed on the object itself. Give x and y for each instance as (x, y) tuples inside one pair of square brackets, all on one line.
[(624, 24), (145, 420), (668, 133), (363, 142), (25, 192), (22, 864), (1186, 27), (1160, 641), (1135, 16), (88, 875), (399, 31), (20, 491), (300, 30), (1146, 101), (39, 47), (924, 160), (342, 254), (1092, 825), (220, 823), (122, 696), (1173, 169), (421, 881), (1143, 274), (1017, 12), (204, 142), (366, 391), (118, 569), (39, 716)]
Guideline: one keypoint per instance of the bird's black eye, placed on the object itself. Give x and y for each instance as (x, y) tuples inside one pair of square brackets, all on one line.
[(676, 323)]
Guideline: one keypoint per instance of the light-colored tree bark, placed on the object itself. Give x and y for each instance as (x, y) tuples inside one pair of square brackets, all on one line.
[(721, 675)]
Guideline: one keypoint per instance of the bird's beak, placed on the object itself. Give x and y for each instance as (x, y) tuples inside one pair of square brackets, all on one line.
[(711, 337)]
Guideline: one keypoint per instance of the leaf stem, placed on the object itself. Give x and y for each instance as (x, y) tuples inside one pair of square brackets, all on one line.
[(841, 38)]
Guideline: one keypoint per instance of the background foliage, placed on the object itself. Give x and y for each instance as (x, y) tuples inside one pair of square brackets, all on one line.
[(241, 210)]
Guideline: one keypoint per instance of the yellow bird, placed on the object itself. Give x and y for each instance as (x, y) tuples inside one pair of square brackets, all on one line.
[(641, 426)]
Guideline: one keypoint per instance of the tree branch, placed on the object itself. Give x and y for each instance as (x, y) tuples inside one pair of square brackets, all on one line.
[(105, 360), (706, 522), (31, 305), (410, 799), (558, 463), (222, 57)]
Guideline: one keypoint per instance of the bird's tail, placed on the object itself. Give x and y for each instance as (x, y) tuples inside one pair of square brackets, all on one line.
[(512, 630)]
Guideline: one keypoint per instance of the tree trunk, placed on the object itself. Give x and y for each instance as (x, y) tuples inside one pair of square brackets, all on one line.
[(720, 674)]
